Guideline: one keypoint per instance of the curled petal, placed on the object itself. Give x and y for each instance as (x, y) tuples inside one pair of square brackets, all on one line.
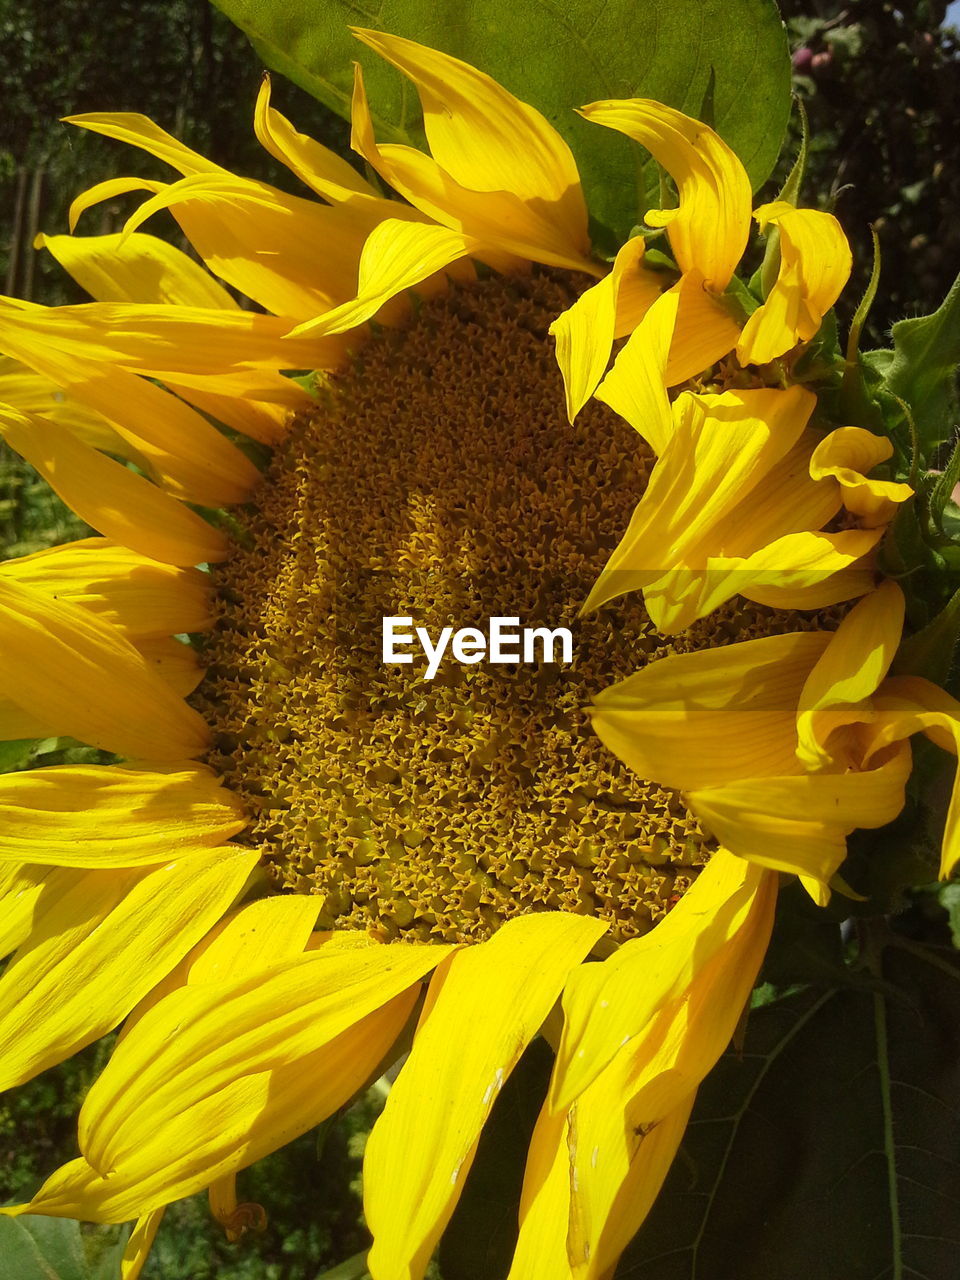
[(800, 824), (848, 455), (321, 169), (584, 333), (708, 232), (397, 256), (815, 263), (905, 705), (700, 497), (851, 669), (635, 386)]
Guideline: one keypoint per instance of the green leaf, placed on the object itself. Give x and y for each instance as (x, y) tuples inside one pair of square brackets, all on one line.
[(828, 1146), (16, 754), (731, 54), (923, 371), (950, 901), (35, 1248)]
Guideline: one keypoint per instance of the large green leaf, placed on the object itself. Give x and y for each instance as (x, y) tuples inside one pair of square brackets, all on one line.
[(557, 54), (828, 1147), (923, 371), (35, 1248)]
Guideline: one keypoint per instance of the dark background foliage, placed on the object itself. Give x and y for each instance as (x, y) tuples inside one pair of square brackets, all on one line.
[(880, 82)]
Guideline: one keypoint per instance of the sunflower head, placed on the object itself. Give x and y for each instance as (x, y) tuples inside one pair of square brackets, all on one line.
[(355, 857)]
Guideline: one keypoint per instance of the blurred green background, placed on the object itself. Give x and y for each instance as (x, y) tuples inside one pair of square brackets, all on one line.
[(880, 83)]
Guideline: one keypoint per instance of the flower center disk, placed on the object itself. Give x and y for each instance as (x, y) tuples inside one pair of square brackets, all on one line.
[(439, 479)]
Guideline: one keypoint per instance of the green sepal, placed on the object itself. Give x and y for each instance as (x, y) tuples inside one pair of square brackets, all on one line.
[(941, 495), (769, 269), (821, 361), (930, 651), (309, 382), (739, 300), (923, 370)]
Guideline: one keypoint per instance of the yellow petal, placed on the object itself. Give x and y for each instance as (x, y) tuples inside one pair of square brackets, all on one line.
[(705, 330), (266, 421), (802, 570), (140, 131), (607, 1004), (30, 392), (722, 447), (484, 1007), (574, 1220), (617, 1167), (248, 941), (815, 264), (235, 1126), (397, 256), (847, 455), (130, 591), (623, 1129), (73, 670), (856, 578), (326, 173), (220, 348), (584, 333), (209, 1037), (21, 887), (218, 1074), (851, 669), (635, 386), (175, 661), (99, 816), (689, 1036), (195, 460), (17, 723), (264, 242), (709, 230), (906, 705), (504, 220), (110, 497), (140, 1243), (714, 716), (136, 268), (98, 948), (541, 1250), (108, 190), (489, 142), (800, 824)]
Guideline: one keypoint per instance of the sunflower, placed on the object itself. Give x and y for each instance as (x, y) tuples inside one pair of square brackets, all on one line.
[(304, 863)]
